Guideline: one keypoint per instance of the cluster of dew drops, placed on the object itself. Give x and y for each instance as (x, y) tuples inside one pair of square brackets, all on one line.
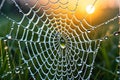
[(118, 61), (118, 58), (18, 69)]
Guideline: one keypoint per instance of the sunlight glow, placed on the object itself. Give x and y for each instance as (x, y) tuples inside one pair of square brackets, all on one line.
[(90, 9)]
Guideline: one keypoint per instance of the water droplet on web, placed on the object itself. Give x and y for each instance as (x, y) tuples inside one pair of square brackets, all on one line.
[(17, 68), (62, 43), (20, 10), (23, 59), (5, 40), (118, 59), (21, 67), (10, 72), (112, 19), (101, 40), (79, 72), (106, 37), (7, 72), (106, 22), (116, 33), (6, 47), (118, 72), (12, 28), (57, 34), (62, 46), (8, 37), (28, 67), (88, 31), (22, 72), (17, 72), (79, 64)]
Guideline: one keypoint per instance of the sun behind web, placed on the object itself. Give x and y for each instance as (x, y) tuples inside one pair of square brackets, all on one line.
[(90, 9)]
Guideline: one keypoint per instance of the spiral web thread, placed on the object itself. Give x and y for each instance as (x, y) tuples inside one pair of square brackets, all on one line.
[(52, 41)]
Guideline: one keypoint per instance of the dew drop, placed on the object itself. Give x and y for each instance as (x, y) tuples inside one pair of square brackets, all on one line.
[(23, 59), (28, 67), (5, 40), (118, 59), (8, 37), (62, 46), (106, 37), (17, 68), (6, 47), (7, 72), (112, 19), (12, 28), (9, 67), (66, 65), (8, 64), (17, 72), (116, 33), (79, 72), (79, 64), (118, 72), (10, 72), (57, 34), (106, 22), (20, 10), (20, 67), (101, 40), (62, 43), (88, 31), (22, 72)]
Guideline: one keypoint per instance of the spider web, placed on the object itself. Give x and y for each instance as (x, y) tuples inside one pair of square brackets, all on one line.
[(53, 42)]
